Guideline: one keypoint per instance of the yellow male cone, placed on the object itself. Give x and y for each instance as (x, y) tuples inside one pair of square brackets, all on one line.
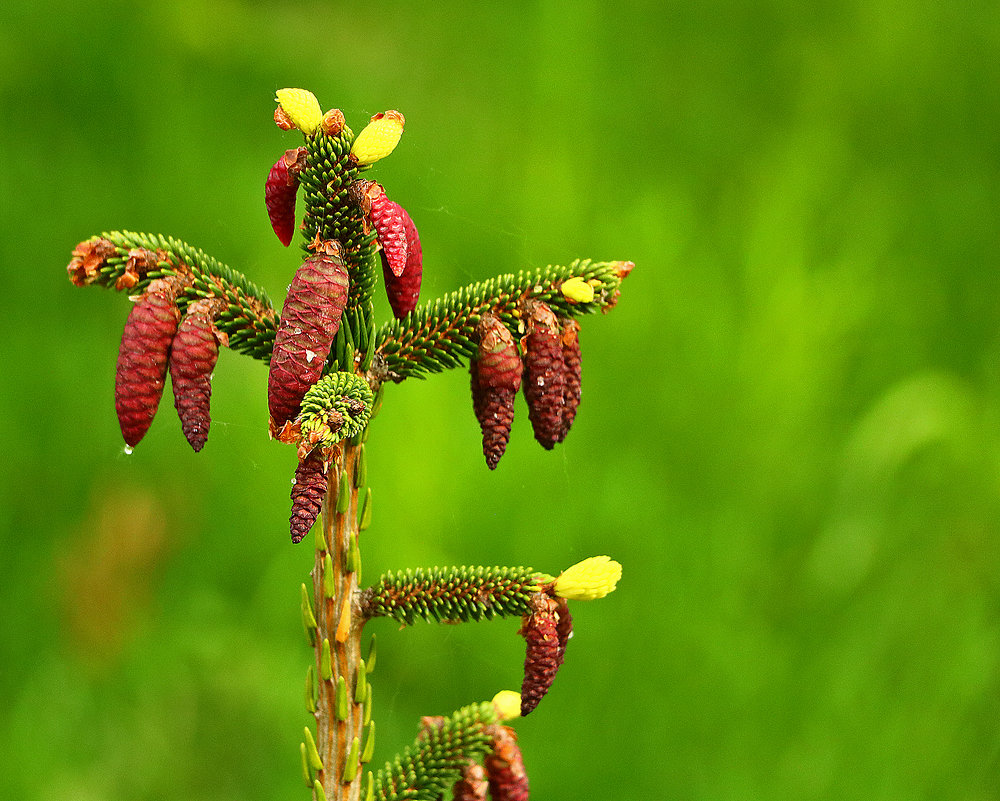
[(576, 290), (588, 580), (302, 108), (379, 138)]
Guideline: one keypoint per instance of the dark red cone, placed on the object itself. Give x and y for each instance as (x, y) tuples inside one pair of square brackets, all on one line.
[(495, 377), (508, 779), (142, 359), (544, 373), (310, 319), (572, 363), (564, 626), (540, 629), (404, 290), (193, 355), (279, 193), (308, 491)]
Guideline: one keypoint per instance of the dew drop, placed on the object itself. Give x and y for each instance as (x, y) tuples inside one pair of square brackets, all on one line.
[(128, 450)]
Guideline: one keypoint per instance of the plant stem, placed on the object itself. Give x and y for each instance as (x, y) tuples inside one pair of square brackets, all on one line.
[(338, 637)]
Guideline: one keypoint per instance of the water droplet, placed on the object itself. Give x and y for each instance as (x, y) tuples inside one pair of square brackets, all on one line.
[(128, 450), (309, 356)]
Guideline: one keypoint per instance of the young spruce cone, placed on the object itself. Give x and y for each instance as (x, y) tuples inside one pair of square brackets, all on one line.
[(472, 786), (142, 358), (279, 193), (545, 649), (387, 218), (308, 491), (404, 290), (192, 359), (544, 373), (310, 319), (508, 779), (573, 364), (495, 375)]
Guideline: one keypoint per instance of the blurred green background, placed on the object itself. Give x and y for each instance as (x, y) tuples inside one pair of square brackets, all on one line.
[(789, 433)]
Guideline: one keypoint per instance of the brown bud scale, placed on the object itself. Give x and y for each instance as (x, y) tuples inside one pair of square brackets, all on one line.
[(308, 491), (89, 257), (404, 290), (193, 355), (572, 363), (544, 373), (544, 654), (495, 377), (333, 122), (505, 771), (282, 120), (310, 319), (142, 359)]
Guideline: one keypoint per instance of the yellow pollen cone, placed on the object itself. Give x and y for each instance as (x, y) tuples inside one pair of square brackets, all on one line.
[(378, 138), (302, 108), (508, 704), (590, 579), (576, 290)]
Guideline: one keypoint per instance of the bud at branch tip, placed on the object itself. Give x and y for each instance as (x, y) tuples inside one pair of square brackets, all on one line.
[(590, 579), (302, 108), (507, 704)]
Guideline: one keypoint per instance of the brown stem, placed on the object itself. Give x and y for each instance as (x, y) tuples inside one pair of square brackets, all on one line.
[(338, 623)]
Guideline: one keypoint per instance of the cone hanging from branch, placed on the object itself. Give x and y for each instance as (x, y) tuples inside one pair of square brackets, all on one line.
[(404, 290), (544, 372), (280, 190), (505, 771), (310, 319), (193, 355), (308, 490), (142, 358), (572, 374), (540, 629), (495, 376)]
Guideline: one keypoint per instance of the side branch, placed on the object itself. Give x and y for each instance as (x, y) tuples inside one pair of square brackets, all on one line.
[(125, 260), (449, 594), (439, 335), (436, 760)]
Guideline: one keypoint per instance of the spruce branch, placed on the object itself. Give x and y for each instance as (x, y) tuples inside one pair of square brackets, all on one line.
[(449, 594), (439, 755), (126, 260), (440, 334)]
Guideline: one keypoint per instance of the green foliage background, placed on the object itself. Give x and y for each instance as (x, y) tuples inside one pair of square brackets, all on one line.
[(789, 433)]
